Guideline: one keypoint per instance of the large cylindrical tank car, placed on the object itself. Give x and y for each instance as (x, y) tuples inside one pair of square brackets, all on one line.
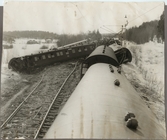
[(105, 105)]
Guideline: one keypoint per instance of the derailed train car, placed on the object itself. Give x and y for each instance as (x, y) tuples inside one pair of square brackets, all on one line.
[(105, 105), (30, 63)]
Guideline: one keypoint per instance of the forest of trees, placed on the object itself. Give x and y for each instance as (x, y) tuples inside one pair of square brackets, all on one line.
[(146, 32), (63, 38), (10, 36), (30, 34), (67, 39), (142, 34), (161, 27)]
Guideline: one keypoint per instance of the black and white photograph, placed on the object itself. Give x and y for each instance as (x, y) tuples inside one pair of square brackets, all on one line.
[(90, 69)]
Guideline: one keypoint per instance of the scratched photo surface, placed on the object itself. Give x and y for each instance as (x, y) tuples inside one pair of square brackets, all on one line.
[(53, 86)]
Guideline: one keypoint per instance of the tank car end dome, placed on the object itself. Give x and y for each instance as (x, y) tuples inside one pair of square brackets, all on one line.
[(102, 54)]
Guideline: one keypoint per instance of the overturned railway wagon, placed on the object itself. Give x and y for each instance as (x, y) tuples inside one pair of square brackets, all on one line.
[(30, 63)]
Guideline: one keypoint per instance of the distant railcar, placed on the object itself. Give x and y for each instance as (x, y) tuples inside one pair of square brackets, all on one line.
[(78, 43)]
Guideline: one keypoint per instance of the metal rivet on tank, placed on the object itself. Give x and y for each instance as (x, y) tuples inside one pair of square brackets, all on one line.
[(119, 70), (116, 82), (131, 122), (111, 68)]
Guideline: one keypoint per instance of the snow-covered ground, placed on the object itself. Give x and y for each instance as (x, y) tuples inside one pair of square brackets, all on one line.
[(146, 74), (149, 59)]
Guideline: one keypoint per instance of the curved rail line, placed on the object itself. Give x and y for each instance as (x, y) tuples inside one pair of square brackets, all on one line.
[(52, 113), (20, 105)]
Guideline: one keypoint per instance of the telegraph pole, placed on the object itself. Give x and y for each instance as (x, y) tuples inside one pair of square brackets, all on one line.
[(125, 30), (123, 40)]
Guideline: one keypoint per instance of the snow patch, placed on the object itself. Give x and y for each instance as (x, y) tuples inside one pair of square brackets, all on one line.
[(149, 59)]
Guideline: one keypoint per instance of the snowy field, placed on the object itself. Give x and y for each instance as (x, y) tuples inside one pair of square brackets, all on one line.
[(21, 48), (149, 59), (147, 75)]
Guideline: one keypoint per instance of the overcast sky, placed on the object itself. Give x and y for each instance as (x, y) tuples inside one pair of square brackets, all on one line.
[(73, 17)]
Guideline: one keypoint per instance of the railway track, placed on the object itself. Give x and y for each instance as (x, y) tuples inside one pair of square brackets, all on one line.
[(20, 105), (53, 110), (25, 120)]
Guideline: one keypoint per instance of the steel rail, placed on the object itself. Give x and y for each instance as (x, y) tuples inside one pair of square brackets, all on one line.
[(54, 100), (19, 107)]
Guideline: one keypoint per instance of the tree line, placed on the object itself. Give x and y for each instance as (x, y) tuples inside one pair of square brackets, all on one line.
[(63, 39), (148, 31), (67, 39)]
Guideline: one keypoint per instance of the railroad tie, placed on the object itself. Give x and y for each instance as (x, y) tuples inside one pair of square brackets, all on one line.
[(55, 107), (54, 110), (44, 130), (41, 136), (51, 117), (56, 104), (46, 124), (49, 120), (53, 113)]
